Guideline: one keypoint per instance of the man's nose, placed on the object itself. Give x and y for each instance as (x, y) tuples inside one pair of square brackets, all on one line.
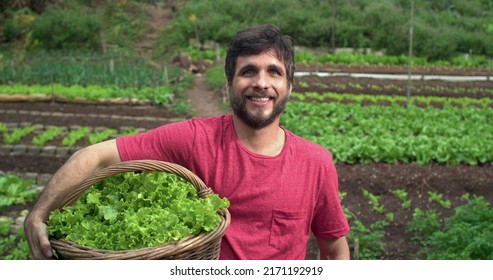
[(262, 81)]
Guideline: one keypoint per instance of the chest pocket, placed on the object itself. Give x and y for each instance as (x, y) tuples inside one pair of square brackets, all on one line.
[(287, 229)]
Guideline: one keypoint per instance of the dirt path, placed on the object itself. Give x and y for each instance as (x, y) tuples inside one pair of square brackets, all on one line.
[(159, 18), (203, 101)]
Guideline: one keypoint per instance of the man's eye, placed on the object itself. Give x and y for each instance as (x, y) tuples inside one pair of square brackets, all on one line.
[(248, 72)]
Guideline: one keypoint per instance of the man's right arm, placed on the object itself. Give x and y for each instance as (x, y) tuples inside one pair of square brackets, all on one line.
[(78, 167)]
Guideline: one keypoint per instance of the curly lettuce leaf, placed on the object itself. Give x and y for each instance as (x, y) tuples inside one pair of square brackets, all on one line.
[(136, 210)]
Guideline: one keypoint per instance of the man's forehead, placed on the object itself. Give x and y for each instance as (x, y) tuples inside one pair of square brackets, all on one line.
[(250, 58)]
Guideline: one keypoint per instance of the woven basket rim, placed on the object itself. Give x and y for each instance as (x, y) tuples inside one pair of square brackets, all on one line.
[(185, 248)]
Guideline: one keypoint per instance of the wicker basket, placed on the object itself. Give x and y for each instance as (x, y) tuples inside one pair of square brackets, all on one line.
[(204, 246)]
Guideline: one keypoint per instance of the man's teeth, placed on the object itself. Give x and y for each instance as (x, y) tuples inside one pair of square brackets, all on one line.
[(260, 99)]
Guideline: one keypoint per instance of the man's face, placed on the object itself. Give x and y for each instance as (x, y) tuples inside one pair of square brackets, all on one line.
[(260, 90)]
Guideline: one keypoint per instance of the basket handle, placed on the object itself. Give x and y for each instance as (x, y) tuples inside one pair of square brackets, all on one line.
[(138, 165)]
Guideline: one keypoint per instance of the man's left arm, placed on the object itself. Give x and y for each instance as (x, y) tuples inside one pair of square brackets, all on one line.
[(334, 249)]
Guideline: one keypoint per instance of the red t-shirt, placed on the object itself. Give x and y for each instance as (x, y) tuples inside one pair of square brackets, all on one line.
[(275, 201)]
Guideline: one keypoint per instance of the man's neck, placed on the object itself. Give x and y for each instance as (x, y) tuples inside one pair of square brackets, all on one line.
[(267, 141)]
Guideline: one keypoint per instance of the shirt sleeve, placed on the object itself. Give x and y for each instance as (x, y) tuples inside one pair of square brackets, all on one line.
[(170, 142), (329, 221)]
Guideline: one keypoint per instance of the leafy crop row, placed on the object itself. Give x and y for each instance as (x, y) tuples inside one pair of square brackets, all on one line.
[(478, 89), (13, 245), (159, 95), (84, 69), (392, 134), (393, 99), (14, 191), (69, 138), (359, 58)]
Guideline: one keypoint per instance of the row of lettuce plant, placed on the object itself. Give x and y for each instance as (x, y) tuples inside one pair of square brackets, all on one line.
[(83, 68), (481, 89), (68, 137), (362, 58), (159, 95), (391, 134), (305, 56), (14, 191), (394, 99)]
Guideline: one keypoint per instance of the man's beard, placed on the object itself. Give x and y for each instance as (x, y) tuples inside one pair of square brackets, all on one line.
[(254, 121)]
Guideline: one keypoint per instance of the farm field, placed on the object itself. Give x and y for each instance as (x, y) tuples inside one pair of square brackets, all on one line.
[(377, 215)]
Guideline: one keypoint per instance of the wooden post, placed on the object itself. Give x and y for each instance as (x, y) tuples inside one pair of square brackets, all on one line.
[(409, 82), (218, 54), (112, 66), (165, 74), (333, 26), (356, 249)]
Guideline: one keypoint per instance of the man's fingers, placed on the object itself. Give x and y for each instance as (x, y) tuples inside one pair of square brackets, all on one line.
[(39, 244), (45, 247)]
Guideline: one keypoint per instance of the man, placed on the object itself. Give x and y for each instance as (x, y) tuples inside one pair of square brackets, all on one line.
[(280, 186)]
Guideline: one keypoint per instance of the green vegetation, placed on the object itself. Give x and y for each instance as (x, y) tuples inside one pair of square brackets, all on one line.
[(13, 245), (68, 140), (17, 134), (74, 136), (84, 68), (394, 99), (402, 195), (438, 197), (160, 95), (391, 134), (366, 242), (444, 31), (46, 136), (100, 136), (38, 56), (374, 201), (136, 210), (14, 190), (215, 77), (464, 236), (3, 128)]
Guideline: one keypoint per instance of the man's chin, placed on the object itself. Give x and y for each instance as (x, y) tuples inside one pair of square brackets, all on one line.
[(257, 122)]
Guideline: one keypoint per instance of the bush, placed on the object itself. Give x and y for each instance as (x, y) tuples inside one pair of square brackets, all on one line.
[(73, 28), (215, 77), (15, 25)]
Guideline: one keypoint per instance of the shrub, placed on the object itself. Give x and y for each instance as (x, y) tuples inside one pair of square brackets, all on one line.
[(58, 29)]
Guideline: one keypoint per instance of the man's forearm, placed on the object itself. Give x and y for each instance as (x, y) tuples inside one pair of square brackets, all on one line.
[(80, 165), (337, 249)]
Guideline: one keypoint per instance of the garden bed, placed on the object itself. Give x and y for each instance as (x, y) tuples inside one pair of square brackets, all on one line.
[(380, 180)]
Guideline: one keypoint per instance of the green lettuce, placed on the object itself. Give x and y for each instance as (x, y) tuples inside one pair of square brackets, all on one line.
[(136, 210)]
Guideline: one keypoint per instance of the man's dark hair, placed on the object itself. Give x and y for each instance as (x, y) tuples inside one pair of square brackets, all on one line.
[(258, 39)]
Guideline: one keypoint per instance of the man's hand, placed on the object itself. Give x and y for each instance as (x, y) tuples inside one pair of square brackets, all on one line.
[(37, 237)]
